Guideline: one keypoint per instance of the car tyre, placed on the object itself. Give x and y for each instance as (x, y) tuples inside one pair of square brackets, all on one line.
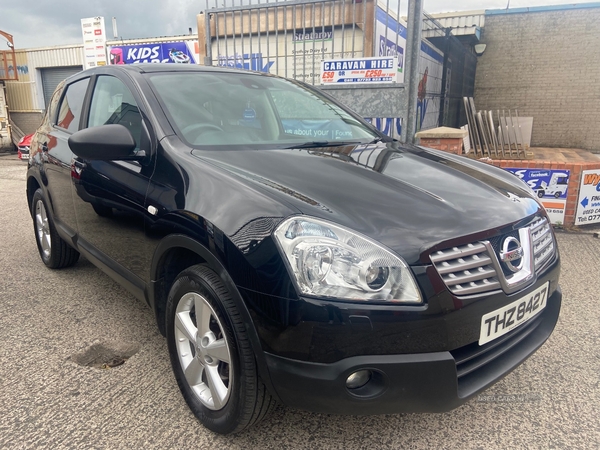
[(211, 356), (557, 194), (54, 251), (540, 193)]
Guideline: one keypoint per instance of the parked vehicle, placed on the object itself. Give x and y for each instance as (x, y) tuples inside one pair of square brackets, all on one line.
[(23, 147), (289, 250)]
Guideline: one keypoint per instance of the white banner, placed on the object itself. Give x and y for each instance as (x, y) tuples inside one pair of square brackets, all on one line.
[(94, 42)]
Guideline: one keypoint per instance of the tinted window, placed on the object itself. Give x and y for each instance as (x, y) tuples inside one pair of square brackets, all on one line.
[(112, 102), (69, 112)]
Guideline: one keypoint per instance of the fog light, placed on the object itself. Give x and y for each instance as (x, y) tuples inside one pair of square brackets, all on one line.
[(358, 379)]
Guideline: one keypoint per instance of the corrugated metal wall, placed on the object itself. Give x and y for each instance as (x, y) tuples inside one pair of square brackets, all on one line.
[(19, 95), (22, 95), (55, 56), (461, 22), (53, 76)]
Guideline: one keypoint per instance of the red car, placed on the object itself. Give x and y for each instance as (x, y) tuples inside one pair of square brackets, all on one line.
[(23, 147)]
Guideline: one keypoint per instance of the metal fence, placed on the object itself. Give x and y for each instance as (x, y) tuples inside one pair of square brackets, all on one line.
[(290, 38)]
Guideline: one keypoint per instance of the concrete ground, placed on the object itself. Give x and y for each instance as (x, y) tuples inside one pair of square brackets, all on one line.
[(48, 401)]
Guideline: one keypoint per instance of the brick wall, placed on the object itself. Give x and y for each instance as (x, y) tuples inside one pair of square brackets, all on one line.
[(546, 64), (452, 145), (575, 169)]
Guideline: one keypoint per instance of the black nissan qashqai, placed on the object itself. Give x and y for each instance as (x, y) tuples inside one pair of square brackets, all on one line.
[(289, 250)]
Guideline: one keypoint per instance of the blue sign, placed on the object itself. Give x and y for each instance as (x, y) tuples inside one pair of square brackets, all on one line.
[(545, 183), (165, 52), (390, 126), (247, 61)]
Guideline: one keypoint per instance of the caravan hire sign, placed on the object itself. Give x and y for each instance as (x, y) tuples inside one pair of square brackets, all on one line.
[(383, 69)]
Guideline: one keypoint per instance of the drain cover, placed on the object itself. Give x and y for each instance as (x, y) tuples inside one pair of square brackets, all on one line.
[(106, 355)]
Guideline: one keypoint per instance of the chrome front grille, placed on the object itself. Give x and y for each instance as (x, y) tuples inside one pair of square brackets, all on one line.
[(542, 241), (466, 269), (476, 268)]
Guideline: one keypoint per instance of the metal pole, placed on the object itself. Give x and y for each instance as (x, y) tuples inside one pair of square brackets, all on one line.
[(500, 134), (444, 77), (208, 37), (470, 125), (285, 44), (490, 121), (413, 48), (520, 132), (332, 31)]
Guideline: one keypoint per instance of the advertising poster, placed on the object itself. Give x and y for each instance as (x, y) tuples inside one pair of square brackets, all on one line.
[(390, 40), (246, 61), (181, 52), (588, 203), (390, 126), (551, 188), (94, 41), (382, 69)]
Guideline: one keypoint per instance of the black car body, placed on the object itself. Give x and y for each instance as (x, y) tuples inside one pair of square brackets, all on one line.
[(470, 238)]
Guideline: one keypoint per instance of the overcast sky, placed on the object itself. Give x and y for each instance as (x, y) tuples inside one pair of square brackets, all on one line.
[(40, 23)]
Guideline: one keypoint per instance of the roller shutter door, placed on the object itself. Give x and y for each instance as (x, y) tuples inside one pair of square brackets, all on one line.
[(51, 76)]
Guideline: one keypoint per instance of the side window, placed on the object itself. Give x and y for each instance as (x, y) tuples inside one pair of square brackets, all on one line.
[(112, 102), (70, 108)]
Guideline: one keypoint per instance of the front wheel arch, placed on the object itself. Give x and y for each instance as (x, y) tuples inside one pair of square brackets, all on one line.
[(172, 254)]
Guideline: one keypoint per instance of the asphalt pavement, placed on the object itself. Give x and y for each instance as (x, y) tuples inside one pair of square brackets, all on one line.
[(47, 400)]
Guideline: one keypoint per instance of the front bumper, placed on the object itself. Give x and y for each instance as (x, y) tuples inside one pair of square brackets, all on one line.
[(423, 382), (23, 153)]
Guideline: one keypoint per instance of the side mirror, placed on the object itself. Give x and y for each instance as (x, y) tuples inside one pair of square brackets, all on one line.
[(105, 143)]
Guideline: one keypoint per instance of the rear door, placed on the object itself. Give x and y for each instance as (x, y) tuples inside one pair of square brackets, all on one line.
[(56, 156)]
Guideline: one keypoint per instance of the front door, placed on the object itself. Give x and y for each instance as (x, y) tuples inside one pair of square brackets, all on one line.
[(109, 195)]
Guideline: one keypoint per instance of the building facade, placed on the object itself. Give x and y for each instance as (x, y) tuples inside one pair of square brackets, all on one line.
[(544, 62)]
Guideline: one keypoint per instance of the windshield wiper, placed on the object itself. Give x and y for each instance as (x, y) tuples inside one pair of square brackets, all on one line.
[(383, 139), (317, 144)]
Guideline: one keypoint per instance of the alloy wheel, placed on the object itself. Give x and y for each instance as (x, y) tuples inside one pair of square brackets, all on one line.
[(203, 351), (42, 228)]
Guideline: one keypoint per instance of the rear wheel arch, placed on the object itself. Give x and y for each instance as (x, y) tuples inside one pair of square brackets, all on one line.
[(176, 253), (32, 186)]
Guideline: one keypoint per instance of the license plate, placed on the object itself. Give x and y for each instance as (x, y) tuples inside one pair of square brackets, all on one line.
[(509, 317)]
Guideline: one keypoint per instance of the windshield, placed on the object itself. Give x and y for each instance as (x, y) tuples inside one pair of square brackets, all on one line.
[(216, 108)]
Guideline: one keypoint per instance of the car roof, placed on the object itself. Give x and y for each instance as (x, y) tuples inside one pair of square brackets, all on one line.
[(164, 67)]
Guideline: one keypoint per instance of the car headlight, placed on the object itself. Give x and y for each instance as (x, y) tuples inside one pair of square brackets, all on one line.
[(328, 260)]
